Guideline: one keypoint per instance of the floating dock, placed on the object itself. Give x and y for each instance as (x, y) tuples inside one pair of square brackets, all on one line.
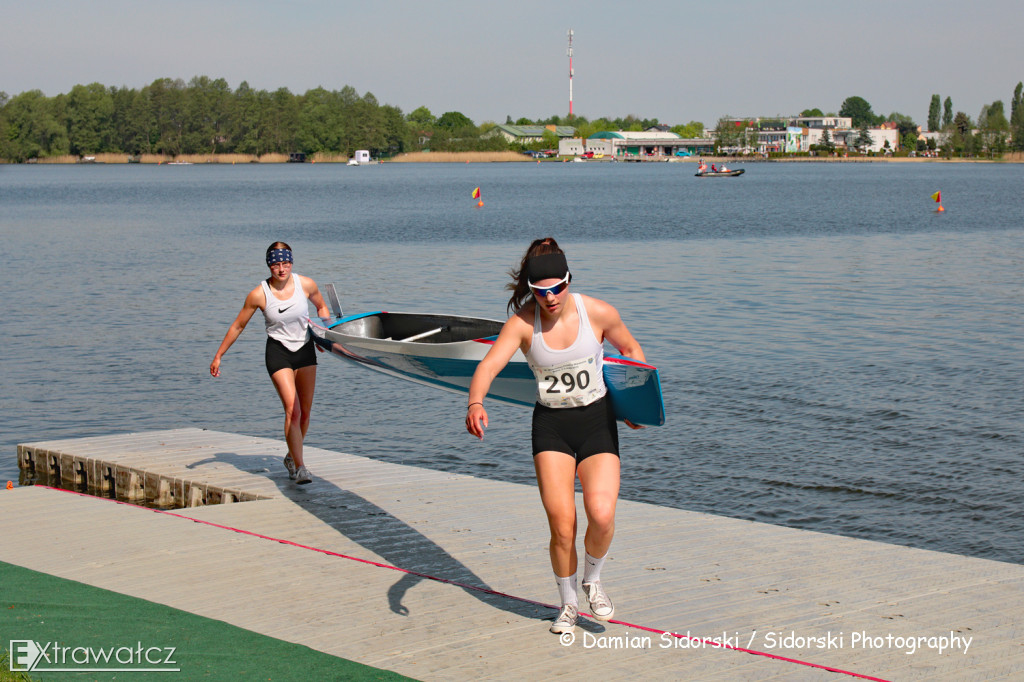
[(443, 576)]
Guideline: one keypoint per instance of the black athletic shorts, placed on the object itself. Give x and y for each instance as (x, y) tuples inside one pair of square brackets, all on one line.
[(279, 357), (577, 431)]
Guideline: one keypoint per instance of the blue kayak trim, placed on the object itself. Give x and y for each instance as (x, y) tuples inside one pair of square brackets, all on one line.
[(349, 318)]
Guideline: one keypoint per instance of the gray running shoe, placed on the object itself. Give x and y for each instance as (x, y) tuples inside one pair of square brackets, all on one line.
[(302, 475), (289, 464), (601, 606), (566, 620)]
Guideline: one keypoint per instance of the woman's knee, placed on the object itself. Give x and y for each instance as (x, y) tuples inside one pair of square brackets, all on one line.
[(293, 413), (563, 538), (601, 512), (563, 530)]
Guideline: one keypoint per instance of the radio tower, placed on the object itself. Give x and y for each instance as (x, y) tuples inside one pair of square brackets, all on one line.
[(569, 52)]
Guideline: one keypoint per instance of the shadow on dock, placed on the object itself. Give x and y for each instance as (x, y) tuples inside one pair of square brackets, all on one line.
[(385, 536)]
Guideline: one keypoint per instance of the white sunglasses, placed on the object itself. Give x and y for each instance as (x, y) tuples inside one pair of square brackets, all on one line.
[(555, 289)]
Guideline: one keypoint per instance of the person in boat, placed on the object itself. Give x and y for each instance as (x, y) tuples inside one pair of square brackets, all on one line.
[(723, 169), (713, 169), (574, 429), (290, 357)]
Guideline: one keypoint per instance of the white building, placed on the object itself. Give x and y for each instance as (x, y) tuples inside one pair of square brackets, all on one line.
[(571, 146), (882, 139), (842, 122), (635, 145), (794, 139), (939, 137)]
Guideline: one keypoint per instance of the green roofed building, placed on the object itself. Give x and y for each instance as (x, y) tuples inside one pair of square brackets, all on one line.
[(529, 133)]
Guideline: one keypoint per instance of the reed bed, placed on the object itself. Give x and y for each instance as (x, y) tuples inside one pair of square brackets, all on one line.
[(110, 157), (88, 158), (215, 158), (65, 158), (273, 158), (325, 157), (460, 157)]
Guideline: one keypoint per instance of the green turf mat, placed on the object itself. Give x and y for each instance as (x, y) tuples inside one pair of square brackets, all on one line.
[(43, 609)]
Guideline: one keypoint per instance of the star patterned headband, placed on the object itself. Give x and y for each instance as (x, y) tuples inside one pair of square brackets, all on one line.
[(279, 256)]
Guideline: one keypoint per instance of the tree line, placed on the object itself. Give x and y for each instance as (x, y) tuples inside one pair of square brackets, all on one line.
[(205, 116)]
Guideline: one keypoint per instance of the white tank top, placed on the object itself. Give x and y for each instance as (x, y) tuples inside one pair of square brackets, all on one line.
[(571, 377), (287, 321)]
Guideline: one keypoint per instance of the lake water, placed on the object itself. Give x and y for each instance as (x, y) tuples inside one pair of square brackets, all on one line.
[(835, 355)]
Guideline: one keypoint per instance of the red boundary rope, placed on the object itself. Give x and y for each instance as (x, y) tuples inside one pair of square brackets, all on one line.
[(476, 588)]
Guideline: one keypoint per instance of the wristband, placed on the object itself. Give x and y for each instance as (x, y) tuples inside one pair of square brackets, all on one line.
[(472, 404)]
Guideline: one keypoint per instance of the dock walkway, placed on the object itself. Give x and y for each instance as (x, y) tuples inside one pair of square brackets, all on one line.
[(444, 576)]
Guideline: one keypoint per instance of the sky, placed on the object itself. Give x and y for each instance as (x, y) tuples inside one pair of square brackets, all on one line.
[(667, 59)]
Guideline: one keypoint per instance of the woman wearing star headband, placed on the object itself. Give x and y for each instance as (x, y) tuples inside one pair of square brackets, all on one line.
[(574, 429), (291, 360)]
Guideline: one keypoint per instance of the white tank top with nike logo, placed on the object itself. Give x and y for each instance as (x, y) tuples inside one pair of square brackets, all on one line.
[(287, 321)]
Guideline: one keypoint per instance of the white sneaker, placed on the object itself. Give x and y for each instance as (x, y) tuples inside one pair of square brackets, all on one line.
[(289, 464), (302, 475), (601, 607), (566, 620)]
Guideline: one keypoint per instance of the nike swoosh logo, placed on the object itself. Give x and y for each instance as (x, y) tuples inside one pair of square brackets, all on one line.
[(281, 310)]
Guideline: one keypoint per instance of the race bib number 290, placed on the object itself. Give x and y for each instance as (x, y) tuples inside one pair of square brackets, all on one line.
[(571, 383), (567, 382)]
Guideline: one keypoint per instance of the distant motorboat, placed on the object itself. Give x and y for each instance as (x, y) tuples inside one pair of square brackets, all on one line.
[(719, 174)]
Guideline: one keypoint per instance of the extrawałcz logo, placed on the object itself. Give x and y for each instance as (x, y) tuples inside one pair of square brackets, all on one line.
[(30, 656)]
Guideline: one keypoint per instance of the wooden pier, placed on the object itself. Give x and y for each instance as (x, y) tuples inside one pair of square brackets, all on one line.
[(444, 576)]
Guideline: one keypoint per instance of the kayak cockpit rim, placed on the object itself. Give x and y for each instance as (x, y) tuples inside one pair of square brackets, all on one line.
[(416, 327)]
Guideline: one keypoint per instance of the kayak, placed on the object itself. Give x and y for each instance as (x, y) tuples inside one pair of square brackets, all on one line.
[(443, 351)]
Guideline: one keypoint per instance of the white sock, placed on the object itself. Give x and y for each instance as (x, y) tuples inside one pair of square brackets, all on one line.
[(592, 568), (567, 590)]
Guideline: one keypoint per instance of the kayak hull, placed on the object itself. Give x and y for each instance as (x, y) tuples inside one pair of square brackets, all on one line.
[(443, 351)]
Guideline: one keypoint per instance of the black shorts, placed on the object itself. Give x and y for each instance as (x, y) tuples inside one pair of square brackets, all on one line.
[(279, 357), (577, 431)]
